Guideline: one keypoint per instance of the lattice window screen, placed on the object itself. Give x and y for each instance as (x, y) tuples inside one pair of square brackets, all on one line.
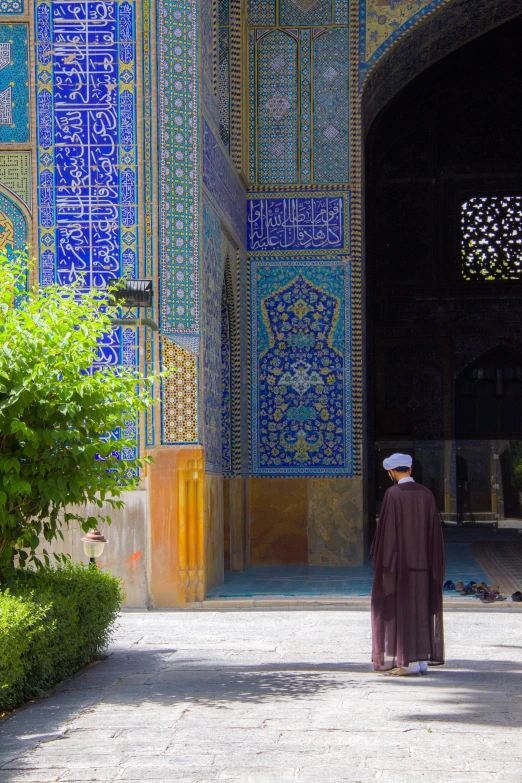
[(491, 238)]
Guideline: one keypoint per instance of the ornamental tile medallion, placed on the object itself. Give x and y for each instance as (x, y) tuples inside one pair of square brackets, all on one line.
[(300, 368)]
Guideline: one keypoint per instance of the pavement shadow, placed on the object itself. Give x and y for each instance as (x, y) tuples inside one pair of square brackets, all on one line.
[(475, 693), (483, 693)]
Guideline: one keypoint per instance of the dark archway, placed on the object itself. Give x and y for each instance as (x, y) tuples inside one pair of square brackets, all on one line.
[(488, 397), (446, 29), (444, 250)]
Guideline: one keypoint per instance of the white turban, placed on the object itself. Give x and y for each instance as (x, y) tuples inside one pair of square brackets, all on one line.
[(397, 461)]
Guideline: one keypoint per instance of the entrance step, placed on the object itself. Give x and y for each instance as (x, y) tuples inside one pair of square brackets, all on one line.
[(345, 603)]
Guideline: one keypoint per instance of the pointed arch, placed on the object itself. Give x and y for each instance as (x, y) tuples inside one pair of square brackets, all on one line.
[(445, 29)]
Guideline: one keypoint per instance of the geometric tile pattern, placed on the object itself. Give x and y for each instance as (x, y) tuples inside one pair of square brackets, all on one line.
[(178, 166), (14, 83), (252, 107), (305, 138), (292, 224), (212, 279), (277, 98), (330, 120), (223, 13), (305, 12), (11, 7), (300, 367), (221, 180), (150, 345), (298, 92), (262, 13), (341, 11), (226, 384), (179, 394), (224, 85), (148, 124), (87, 152), (13, 226), (148, 266), (15, 174), (238, 376)]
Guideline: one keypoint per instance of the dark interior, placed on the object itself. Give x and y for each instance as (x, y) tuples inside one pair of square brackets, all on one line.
[(444, 278)]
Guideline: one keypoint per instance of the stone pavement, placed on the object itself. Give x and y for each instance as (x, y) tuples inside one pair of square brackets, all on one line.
[(269, 696)]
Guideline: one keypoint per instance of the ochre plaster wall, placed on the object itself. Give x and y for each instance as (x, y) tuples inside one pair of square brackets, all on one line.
[(177, 536)]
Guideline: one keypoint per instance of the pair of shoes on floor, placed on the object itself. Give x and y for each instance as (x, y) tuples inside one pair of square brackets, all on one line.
[(491, 597), (402, 671), (517, 597)]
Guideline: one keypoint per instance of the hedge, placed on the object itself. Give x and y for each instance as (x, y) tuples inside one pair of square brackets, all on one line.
[(52, 623)]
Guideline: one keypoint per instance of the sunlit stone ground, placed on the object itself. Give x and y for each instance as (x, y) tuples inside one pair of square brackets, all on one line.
[(275, 696)]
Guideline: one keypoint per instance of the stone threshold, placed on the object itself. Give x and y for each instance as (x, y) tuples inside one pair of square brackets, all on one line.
[(350, 603)]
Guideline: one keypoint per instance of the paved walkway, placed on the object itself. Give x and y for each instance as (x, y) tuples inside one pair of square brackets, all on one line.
[(270, 696)]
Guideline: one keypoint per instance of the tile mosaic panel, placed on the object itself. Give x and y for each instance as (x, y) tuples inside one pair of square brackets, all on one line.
[(305, 12), (300, 373), (222, 182), (13, 226), (330, 95), (179, 394), (224, 85), (150, 416), (226, 388), (178, 166), (383, 21), (223, 13), (299, 105), (207, 40), (87, 156), (234, 268), (212, 277), (341, 11), (252, 106), (14, 83), (120, 348), (12, 7), (262, 13), (15, 174), (305, 137), (277, 104), (148, 124), (149, 208), (290, 223)]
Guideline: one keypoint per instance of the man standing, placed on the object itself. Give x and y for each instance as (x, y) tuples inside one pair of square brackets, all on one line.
[(408, 560)]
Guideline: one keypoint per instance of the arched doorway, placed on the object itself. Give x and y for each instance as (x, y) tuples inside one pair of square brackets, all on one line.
[(444, 260)]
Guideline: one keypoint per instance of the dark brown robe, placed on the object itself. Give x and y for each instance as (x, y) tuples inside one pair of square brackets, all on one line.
[(408, 560)]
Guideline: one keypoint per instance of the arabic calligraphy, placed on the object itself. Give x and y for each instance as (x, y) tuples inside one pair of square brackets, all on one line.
[(87, 162), (295, 223)]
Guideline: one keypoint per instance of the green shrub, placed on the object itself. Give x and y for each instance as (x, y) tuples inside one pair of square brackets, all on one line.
[(55, 415), (51, 623)]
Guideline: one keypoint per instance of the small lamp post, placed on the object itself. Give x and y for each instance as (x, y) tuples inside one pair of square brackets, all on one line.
[(93, 545)]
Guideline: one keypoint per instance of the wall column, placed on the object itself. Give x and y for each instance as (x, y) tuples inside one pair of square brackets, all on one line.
[(177, 526)]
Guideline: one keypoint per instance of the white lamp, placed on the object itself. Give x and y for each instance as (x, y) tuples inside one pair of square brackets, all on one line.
[(94, 544)]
